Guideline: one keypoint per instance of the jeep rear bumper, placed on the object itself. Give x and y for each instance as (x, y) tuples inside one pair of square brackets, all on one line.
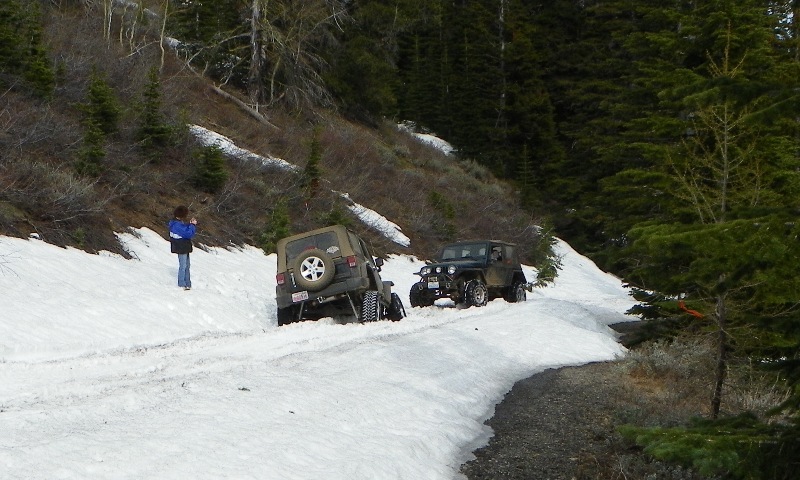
[(333, 292)]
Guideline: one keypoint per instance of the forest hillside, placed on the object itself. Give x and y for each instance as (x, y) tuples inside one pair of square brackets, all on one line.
[(104, 143)]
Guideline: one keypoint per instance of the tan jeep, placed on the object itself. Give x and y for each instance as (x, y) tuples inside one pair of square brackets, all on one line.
[(330, 272)]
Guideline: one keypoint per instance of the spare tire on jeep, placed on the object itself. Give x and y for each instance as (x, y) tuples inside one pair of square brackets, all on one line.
[(314, 269)]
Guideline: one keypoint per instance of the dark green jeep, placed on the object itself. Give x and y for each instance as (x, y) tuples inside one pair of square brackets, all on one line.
[(328, 272), (472, 273)]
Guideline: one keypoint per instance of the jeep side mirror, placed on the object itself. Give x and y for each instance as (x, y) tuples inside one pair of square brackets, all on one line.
[(379, 262)]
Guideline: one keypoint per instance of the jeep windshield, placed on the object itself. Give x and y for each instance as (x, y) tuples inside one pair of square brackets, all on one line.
[(327, 242), (463, 251)]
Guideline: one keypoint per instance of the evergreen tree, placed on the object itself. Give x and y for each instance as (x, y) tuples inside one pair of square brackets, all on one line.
[(586, 70), (530, 126), (101, 113), (22, 51), (732, 167), (210, 173), (364, 73), (102, 106), (278, 227), (311, 172), (153, 131), (92, 153), (213, 35), (336, 216), (476, 108)]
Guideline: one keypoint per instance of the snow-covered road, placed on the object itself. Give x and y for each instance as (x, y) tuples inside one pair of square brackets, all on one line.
[(108, 370)]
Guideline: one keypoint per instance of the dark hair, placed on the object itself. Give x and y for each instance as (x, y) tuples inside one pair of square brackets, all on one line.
[(181, 211)]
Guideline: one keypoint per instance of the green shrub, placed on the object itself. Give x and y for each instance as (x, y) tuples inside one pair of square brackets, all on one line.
[(311, 172), (446, 229), (732, 447)]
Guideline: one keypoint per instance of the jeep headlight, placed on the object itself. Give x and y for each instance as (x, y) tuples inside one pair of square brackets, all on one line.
[(425, 271), (438, 270), (451, 269)]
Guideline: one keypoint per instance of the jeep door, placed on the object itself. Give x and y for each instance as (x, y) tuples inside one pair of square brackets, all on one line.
[(362, 250), (499, 271)]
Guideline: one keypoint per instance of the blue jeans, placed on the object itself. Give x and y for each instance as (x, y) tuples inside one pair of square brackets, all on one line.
[(184, 279)]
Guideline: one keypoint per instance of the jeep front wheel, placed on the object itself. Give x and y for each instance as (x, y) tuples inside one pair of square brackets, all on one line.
[(313, 270), (396, 311), (475, 293), (417, 296)]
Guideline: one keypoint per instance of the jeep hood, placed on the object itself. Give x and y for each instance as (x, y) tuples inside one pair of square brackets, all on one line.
[(464, 263)]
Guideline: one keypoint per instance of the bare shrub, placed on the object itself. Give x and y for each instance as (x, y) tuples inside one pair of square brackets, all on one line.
[(674, 381), (751, 389), (53, 192), (676, 377), (478, 171)]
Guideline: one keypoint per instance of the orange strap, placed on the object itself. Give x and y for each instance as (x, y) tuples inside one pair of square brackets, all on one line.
[(682, 306)]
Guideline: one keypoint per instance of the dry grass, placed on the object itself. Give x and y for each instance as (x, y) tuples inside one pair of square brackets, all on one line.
[(666, 384)]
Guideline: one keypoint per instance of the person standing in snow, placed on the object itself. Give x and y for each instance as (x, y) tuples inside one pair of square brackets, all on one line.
[(181, 232)]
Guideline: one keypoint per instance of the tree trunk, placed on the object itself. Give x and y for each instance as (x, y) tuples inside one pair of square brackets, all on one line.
[(722, 355), (255, 84)]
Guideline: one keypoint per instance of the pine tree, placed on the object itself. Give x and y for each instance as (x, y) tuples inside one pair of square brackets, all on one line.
[(311, 172), (210, 173), (92, 152), (101, 112), (22, 50), (530, 126), (102, 106), (586, 70), (733, 167), (278, 227), (153, 131)]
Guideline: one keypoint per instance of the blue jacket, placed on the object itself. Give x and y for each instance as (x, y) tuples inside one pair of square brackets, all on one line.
[(180, 236)]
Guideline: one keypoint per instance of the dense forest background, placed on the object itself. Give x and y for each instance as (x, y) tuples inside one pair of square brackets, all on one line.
[(660, 138), (596, 110)]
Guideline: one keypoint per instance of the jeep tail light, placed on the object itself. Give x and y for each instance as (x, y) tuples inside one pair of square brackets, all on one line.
[(351, 261), (280, 278)]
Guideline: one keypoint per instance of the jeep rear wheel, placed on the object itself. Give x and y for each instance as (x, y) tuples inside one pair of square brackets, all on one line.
[(475, 293), (286, 315), (370, 307), (314, 270), (516, 293)]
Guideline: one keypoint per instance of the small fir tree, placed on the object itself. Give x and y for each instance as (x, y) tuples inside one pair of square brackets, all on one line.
[(22, 51), (277, 228), (153, 132), (102, 106), (336, 216), (210, 174), (92, 153), (311, 172)]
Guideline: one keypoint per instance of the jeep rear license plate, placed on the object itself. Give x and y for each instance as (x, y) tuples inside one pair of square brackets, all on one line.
[(433, 284), (300, 296)]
